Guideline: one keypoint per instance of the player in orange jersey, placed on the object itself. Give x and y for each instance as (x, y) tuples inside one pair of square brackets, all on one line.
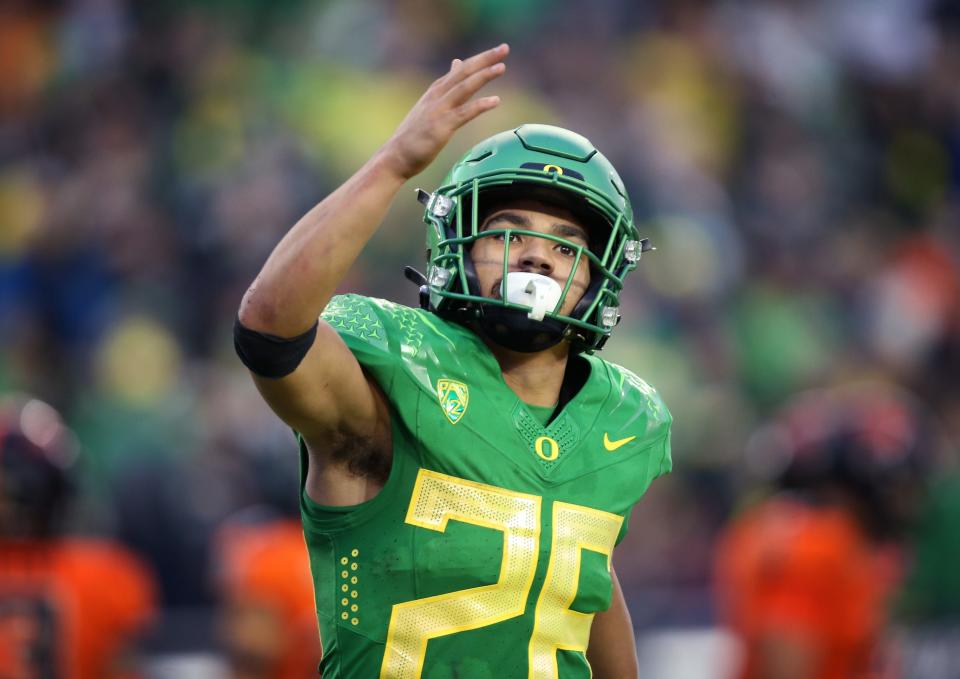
[(70, 608), (804, 578), (268, 624)]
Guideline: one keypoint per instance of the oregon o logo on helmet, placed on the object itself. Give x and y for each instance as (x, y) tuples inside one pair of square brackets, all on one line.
[(553, 168)]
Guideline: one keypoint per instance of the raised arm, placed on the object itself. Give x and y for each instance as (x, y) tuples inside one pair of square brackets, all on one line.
[(305, 268), (328, 395)]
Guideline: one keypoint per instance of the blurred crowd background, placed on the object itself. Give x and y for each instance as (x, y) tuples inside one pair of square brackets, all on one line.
[(795, 162)]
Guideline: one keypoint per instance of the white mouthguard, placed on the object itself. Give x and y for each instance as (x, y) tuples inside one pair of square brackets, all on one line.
[(540, 293)]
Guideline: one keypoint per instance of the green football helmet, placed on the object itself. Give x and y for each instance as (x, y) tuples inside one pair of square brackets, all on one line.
[(550, 164)]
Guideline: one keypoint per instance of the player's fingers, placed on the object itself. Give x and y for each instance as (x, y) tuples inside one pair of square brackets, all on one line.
[(442, 84), (485, 58), (464, 114), (468, 87), (477, 62)]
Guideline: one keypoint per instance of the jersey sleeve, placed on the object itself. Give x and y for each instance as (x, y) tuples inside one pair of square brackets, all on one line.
[(640, 408), (661, 462), (371, 330), (635, 408)]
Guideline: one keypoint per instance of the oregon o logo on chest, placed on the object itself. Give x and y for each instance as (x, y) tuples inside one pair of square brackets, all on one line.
[(547, 448)]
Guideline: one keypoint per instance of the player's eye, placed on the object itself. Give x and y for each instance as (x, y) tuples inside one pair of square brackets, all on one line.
[(514, 237), (566, 250)]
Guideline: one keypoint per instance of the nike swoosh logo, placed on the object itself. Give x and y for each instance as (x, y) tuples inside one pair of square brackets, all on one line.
[(613, 445)]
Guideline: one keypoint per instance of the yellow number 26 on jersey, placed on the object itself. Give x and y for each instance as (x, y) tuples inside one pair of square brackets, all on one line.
[(436, 499)]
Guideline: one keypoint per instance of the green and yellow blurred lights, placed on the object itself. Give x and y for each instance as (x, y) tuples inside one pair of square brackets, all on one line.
[(21, 211), (139, 361)]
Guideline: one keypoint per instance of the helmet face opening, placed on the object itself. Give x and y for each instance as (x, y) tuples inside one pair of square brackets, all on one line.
[(555, 167), (495, 198)]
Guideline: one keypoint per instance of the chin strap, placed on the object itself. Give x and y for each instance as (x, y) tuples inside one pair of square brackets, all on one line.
[(511, 328), (420, 281)]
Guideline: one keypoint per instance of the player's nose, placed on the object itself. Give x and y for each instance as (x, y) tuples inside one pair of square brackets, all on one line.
[(535, 256)]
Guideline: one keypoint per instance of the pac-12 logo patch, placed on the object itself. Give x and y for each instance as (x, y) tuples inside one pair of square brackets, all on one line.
[(454, 397)]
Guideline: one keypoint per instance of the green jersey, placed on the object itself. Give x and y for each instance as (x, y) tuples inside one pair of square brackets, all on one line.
[(487, 552)]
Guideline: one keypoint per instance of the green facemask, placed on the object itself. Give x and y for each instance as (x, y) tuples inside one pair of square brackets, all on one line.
[(552, 165)]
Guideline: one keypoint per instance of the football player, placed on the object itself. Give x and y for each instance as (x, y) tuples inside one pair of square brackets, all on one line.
[(467, 467), (267, 621), (805, 577), (69, 607)]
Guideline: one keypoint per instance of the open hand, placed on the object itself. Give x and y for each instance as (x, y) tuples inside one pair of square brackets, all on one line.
[(444, 108)]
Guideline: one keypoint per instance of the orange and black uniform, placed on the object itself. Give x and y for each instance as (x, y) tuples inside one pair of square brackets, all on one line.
[(70, 608), (271, 624), (793, 570)]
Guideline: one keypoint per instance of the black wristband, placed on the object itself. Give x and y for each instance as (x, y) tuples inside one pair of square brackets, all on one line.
[(268, 355)]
